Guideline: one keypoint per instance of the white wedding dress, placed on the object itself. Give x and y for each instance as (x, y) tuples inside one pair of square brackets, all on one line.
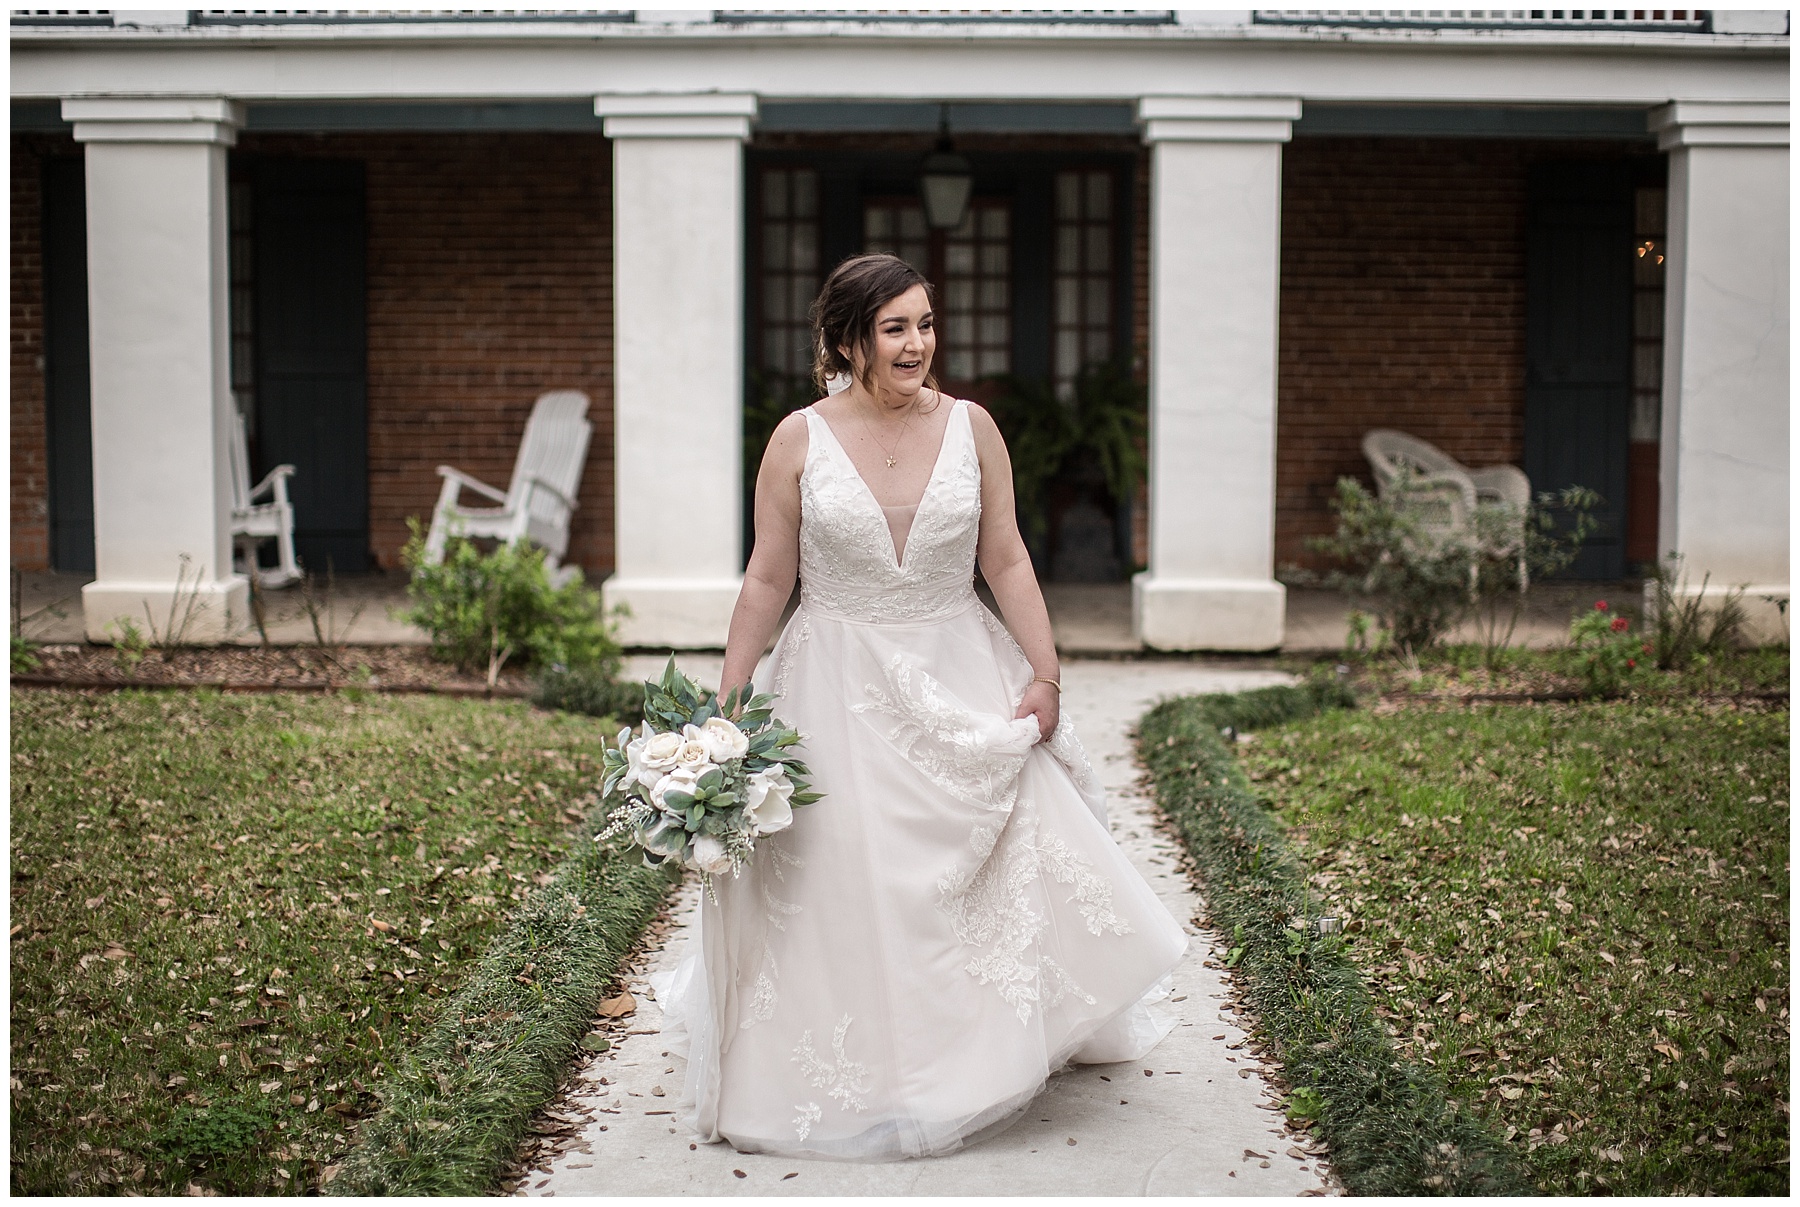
[(900, 971)]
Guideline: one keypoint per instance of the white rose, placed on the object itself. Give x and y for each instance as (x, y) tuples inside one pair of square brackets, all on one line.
[(692, 753), (710, 855), (723, 740), (635, 771), (766, 801), (660, 750), (679, 780)]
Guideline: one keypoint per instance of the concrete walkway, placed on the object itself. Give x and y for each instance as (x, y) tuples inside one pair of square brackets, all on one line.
[(1197, 1117)]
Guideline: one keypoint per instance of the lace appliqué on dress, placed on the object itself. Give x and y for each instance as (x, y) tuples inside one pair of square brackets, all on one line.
[(791, 654), (978, 760), (775, 910), (762, 1002), (810, 1113), (977, 764), (843, 1080), (847, 563)]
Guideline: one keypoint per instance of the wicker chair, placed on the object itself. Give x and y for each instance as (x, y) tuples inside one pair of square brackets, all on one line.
[(1445, 491)]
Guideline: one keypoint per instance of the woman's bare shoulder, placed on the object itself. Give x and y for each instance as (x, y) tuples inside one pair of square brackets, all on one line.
[(786, 451), (987, 432)]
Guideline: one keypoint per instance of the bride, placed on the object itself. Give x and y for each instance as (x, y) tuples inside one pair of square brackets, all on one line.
[(898, 973)]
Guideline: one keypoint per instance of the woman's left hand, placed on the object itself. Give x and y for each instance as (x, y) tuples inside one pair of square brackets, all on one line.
[(1041, 701)]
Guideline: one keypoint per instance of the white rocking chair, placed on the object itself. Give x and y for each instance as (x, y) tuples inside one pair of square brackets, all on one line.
[(253, 523), (1447, 491), (540, 501)]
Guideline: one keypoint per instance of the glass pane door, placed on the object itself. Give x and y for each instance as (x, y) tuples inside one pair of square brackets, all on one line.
[(972, 269)]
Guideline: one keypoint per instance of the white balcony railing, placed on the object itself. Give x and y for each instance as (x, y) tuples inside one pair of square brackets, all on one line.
[(1677, 20)]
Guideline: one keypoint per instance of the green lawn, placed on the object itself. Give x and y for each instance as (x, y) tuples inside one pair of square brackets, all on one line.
[(1577, 913), (230, 913)]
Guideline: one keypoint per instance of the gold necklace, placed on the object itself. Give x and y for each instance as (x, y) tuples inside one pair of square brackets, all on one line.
[(892, 456)]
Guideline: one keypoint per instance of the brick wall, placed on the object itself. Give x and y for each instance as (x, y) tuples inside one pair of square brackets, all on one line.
[(489, 282), (30, 459), (1402, 305)]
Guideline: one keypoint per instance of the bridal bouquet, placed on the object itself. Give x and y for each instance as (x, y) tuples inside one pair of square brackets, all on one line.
[(696, 786)]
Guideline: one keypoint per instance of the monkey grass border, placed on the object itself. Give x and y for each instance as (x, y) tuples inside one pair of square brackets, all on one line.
[(455, 1109), (1392, 1128)]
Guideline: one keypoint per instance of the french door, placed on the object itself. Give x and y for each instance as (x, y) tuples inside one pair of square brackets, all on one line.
[(971, 267)]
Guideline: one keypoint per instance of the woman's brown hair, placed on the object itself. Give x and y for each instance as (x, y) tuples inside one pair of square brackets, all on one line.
[(845, 311)]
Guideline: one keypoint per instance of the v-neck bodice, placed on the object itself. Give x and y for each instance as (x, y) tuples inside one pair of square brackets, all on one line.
[(849, 564)]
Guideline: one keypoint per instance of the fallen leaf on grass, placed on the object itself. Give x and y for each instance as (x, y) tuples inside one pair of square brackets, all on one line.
[(618, 1007), (1608, 957), (1512, 1092), (1669, 1050)]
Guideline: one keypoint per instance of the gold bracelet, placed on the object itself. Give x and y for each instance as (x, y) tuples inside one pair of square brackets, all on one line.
[(1051, 682)]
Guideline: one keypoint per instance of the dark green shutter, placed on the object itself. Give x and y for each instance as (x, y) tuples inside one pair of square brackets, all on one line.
[(1578, 344), (311, 351), (69, 406)]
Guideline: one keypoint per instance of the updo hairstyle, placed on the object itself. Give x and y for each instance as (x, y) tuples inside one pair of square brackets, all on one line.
[(847, 307)]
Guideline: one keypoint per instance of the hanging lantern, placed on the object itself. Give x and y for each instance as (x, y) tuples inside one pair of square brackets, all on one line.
[(945, 182)]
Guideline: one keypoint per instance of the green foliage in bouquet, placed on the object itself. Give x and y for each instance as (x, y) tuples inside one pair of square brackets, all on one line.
[(484, 609), (712, 806)]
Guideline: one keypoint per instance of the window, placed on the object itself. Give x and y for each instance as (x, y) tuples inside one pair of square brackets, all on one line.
[(789, 257), (1647, 314), (972, 266), (977, 301), (898, 228), (1083, 274)]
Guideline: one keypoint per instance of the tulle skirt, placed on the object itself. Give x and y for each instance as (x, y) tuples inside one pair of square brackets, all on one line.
[(898, 973)]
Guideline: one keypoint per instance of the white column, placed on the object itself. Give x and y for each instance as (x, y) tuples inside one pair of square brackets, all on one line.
[(678, 305), (1725, 369), (1215, 257), (159, 354)]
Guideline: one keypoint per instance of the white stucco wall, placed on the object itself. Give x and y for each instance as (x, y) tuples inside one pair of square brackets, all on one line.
[(1726, 419)]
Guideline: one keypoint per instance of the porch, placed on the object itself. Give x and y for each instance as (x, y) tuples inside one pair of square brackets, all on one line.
[(1090, 620), (1521, 272)]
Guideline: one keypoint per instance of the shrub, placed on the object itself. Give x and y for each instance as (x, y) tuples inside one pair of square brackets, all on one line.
[(24, 656), (1611, 651), (590, 690), (1103, 422), (1682, 626), (1415, 587), (1418, 581), (484, 609)]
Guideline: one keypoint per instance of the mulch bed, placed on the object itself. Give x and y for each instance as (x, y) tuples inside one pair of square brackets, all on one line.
[(380, 668)]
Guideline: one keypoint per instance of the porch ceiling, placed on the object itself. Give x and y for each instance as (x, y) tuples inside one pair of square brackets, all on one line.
[(576, 114)]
